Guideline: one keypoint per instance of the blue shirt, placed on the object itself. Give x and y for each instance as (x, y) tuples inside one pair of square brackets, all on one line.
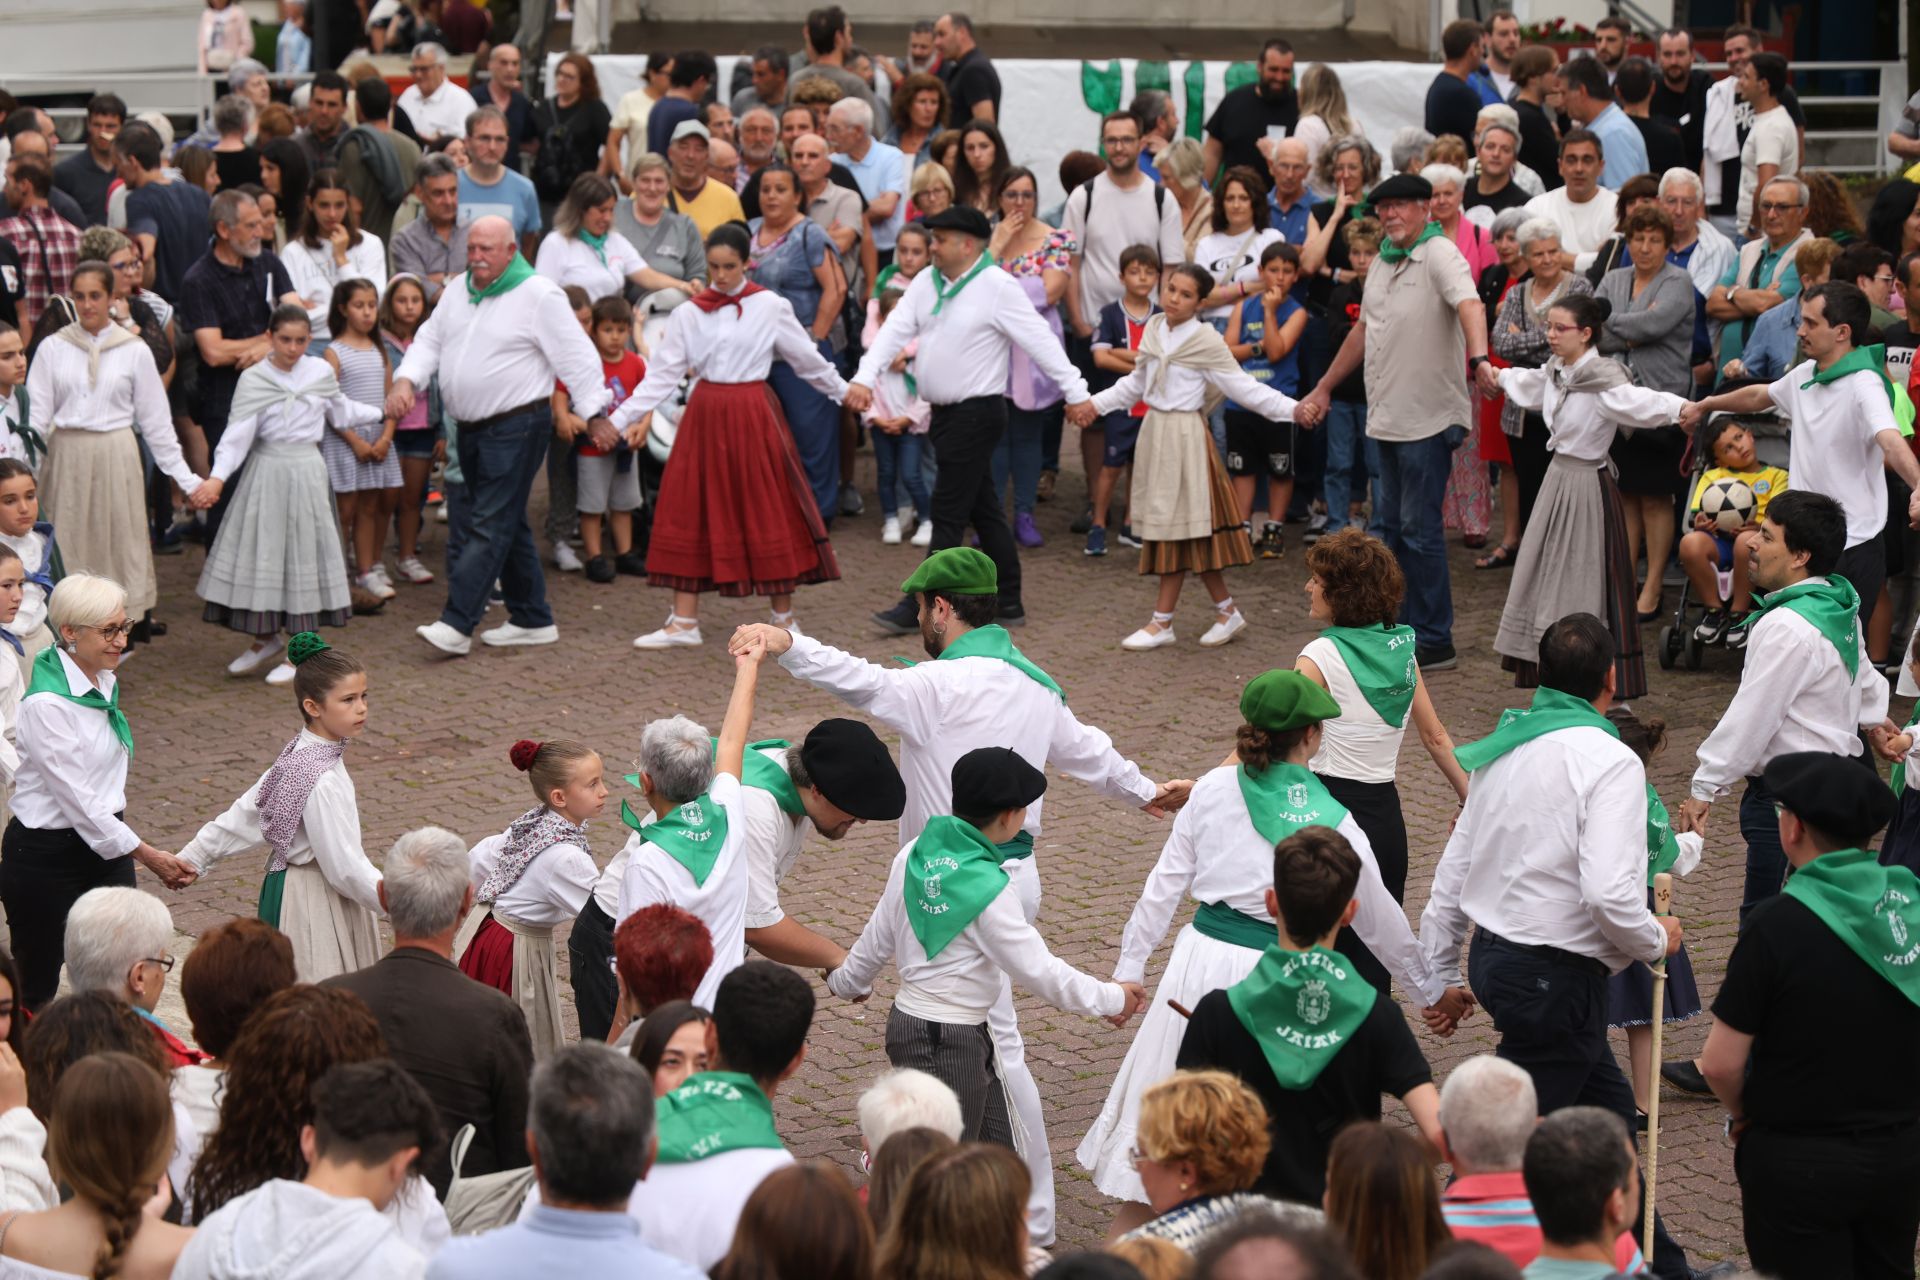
[(293, 55), (1769, 350), (1291, 223), (883, 170), (512, 198), (1774, 269), (555, 1242), (1283, 376), (1623, 152)]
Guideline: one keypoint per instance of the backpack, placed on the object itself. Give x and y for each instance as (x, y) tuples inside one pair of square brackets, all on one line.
[(486, 1200), (1159, 198)]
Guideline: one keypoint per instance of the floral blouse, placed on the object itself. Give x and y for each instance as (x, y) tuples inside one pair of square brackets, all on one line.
[(1055, 255)]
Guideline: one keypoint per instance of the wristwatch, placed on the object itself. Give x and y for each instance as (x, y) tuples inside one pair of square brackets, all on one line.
[(1474, 363)]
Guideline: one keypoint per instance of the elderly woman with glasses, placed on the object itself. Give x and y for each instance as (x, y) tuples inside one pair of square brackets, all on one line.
[(584, 248)]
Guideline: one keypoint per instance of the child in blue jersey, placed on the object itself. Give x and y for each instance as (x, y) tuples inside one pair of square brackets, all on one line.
[(1264, 335)]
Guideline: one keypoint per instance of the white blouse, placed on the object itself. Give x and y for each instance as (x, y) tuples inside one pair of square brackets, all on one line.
[(329, 834), (32, 548), (73, 770), (314, 273), (127, 393), (1582, 424), (297, 422), (1184, 390), (12, 443), (1357, 744), (13, 687), (551, 891), (729, 345), (1233, 257), (569, 260)]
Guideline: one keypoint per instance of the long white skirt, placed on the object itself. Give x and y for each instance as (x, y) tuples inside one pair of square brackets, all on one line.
[(331, 935), (1199, 964), (536, 984)]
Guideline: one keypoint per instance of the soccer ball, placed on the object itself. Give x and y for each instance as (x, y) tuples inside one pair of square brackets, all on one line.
[(1729, 504)]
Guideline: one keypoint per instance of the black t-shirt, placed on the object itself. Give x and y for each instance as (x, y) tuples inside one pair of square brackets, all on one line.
[(87, 183), (1381, 1057), (175, 215), (570, 142), (1507, 197), (1453, 106), (1539, 144), (1666, 148), (1834, 1042), (1343, 312), (1245, 118), (13, 286), (238, 168), (1686, 108), (971, 78), (1901, 341)]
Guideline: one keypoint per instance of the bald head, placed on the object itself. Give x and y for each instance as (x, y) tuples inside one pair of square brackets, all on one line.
[(1287, 162), (722, 161), (490, 248), (808, 155)]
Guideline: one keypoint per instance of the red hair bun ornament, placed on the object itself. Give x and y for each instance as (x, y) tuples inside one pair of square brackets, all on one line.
[(523, 754)]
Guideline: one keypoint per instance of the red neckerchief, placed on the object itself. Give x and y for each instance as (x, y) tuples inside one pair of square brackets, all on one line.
[(711, 299)]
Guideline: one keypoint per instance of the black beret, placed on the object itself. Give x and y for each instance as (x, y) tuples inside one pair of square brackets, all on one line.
[(990, 780), (1401, 186), (961, 218), (1833, 794), (851, 767)]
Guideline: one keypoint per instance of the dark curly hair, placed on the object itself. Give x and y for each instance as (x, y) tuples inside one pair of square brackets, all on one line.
[(1359, 577), (77, 1026), (281, 1052)]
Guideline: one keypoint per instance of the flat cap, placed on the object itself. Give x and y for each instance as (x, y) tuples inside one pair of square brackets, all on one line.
[(1284, 699), (853, 770), (1401, 186), (965, 571), (961, 218), (1833, 794), (990, 780)]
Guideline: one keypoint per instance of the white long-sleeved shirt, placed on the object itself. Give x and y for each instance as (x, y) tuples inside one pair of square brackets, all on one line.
[(1550, 850), (774, 838), (296, 422), (569, 260), (505, 351), (1794, 695), (1582, 425), (962, 983), (963, 351), (127, 393), (653, 875), (73, 770), (944, 709), (728, 345), (32, 548), (13, 687), (1215, 854), (328, 835), (314, 273), (26, 1184), (1585, 226), (551, 891), (1184, 390)]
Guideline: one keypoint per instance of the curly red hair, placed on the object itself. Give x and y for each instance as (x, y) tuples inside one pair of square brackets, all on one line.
[(662, 953)]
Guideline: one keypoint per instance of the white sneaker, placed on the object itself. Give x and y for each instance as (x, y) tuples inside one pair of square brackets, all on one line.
[(890, 532), (445, 638), (252, 660), (1222, 631), (566, 559), (512, 633), (282, 674), (442, 515), (413, 571), (923, 536), (379, 586), (379, 571), (1143, 639), (669, 637), (905, 515)]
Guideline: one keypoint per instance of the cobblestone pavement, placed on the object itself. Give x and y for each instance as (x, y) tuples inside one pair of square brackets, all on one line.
[(436, 752)]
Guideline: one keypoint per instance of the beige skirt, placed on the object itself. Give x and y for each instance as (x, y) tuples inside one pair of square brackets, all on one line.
[(536, 980), (93, 489), (331, 935)]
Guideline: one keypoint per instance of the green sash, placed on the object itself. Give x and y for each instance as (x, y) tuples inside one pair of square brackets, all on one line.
[(1303, 1007), (992, 641), (1222, 923), (518, 272), (1380, 660), (1282, 798), (1897, 776), (713, 1112), (1662, 849), (1551, 710), (1391, 252), (1021, 846), (50, 676), (952, 874), (272, 890), (1833, 607), (692, 835), (762, 774), (942, 290), (1875, 910), (1871, 359)]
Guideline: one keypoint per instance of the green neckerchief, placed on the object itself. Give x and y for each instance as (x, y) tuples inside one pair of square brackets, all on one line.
[(692, 835), (1897, 776), (1021, 846), (1302, 1007), (1375, 661), (881, 281), (1833, 607), (1391, 252), (713, 1112), (943, 291), (1871, 360), (1875, 910), (762, 774), (518, 272), (1551, 710), (1662, 849), (1282, 798), (952, 874), (992, 641), (597, 243), (50, 676)]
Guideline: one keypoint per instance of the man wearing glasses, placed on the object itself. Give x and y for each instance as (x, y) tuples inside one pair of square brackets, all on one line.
[(437, 106), (1762, 275), (488, 188)]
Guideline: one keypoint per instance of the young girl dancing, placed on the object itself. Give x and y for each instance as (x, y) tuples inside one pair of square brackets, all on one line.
[(532, 876), (1183, 505), (417, 438), (319, 890), (362, 463), (275, 565)]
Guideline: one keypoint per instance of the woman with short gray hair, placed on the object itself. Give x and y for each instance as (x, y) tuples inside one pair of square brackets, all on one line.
[(667, 239), (1519, 337)]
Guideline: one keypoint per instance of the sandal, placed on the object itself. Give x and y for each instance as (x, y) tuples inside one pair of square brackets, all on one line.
[(1501, 557)]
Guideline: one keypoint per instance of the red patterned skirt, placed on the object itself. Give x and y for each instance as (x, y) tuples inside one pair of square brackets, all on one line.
[(736, 513), (489, 957)]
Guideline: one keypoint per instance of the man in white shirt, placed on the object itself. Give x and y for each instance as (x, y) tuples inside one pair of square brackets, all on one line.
[(880, 168), (966, 313), (1772, 148), (438, 107), (1582, 208), (499, 339)]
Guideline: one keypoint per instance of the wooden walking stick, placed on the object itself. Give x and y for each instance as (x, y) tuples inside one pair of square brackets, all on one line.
[(1662, 906)]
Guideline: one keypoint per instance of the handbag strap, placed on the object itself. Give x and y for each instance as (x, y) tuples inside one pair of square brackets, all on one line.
[(457, 1154)]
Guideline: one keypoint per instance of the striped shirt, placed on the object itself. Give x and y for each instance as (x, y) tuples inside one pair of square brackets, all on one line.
[(1493, 1209)]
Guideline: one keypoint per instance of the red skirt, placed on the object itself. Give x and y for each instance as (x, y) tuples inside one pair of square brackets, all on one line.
[(489, 957), (736, 513)]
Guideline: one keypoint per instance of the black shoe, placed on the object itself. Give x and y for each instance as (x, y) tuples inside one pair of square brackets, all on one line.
[(1685, 1077), (901, 620), (1639, 1121), (1012, 614), (633, 564), (1736, 632), (1082, 522), (599, 569), (1713, 627), (1439, 657)]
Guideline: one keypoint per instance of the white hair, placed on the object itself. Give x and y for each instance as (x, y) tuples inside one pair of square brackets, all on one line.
[(427, 876), (1679, 177), (677, 755), (1795, 183), (1538, 229), (111, 929), (1444, 175), (1497, 113), (244, 71), (1509, 222), (1488, 1109), (852, 111), (84, 600), (434, 53), (1408, 143), (907, 1099)]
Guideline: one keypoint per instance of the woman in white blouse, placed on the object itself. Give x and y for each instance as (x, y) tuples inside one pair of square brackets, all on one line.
[(1231, 253), (584, 249), (330, 248), (67, 834), (91, 384), (1573, 557)]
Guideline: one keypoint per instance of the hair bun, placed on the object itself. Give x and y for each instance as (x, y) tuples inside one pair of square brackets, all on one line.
[(522, 754), (1602, 308), (304, 646)]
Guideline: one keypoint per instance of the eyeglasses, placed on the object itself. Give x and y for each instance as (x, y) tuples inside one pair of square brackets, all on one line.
[(1563, 328), (165, 962), (422, 70), (1886, 279), (1111, 143), (120, 632), (1774, 206), (1137, 1156), (134, 265)]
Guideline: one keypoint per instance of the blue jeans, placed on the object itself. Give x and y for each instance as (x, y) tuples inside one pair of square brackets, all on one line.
[(457, 520), (499, 463), (897, 459), (1766, 857), (815, 423), (1413, 484), (1019, 450), (1351, 459)]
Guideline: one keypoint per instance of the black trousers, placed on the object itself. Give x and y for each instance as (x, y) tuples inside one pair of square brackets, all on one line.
[(1376, 811), (964, 435), (1865, 566), (595, 990), (42, 874), (1830, 1204)]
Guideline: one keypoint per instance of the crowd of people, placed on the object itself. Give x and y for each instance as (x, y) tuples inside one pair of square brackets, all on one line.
[(1601, 289)]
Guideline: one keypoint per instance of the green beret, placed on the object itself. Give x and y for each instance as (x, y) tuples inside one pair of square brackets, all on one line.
[(1282, 700), (965, 571)]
